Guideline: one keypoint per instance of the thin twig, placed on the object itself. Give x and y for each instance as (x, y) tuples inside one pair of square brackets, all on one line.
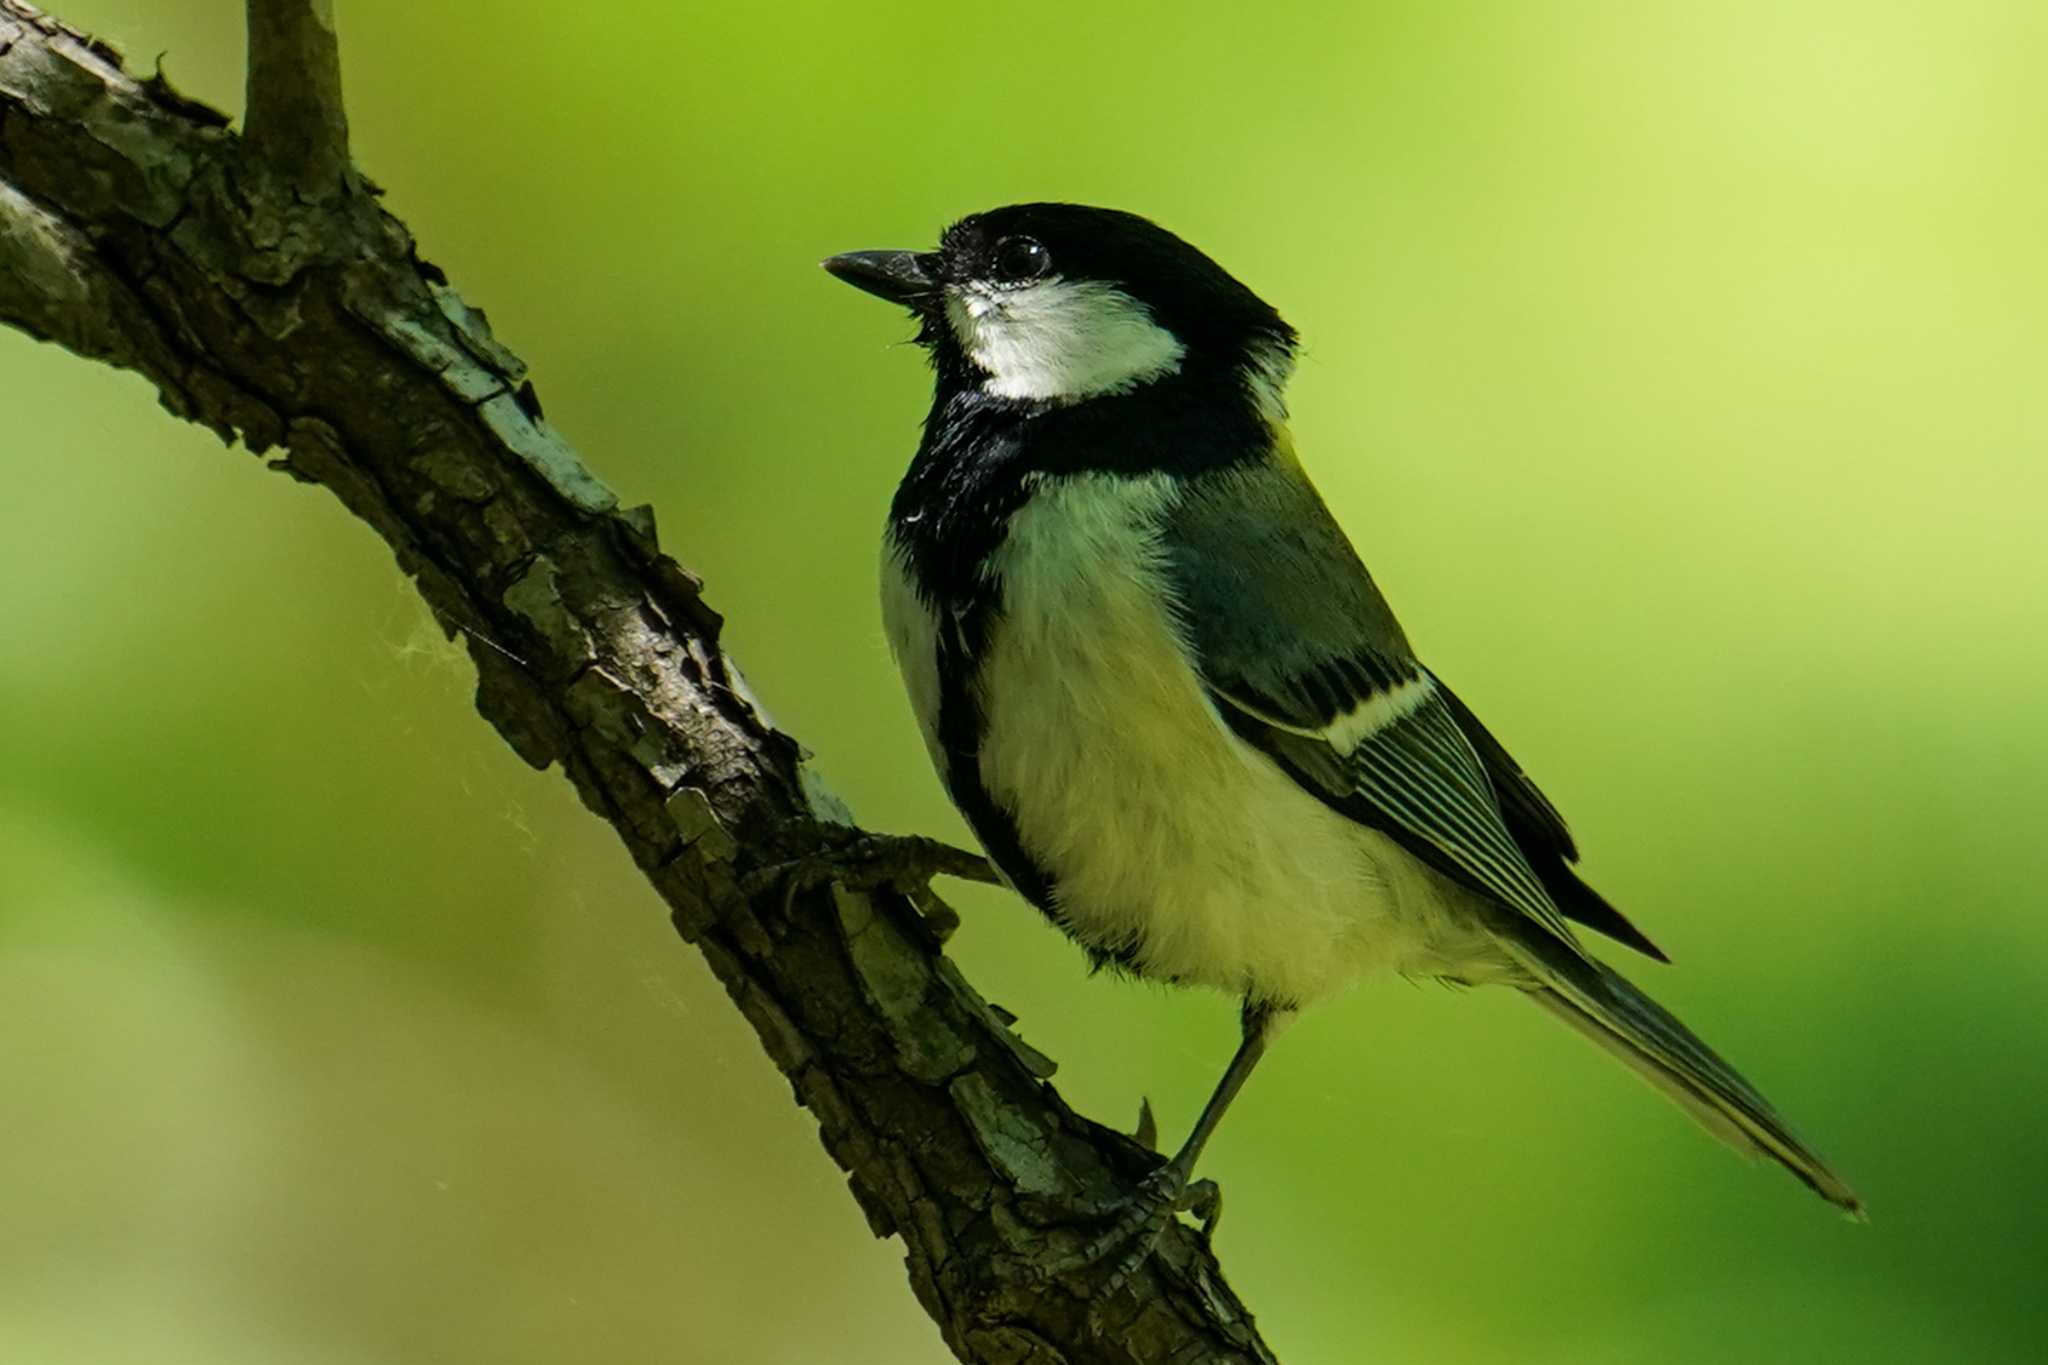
[(295, 124)]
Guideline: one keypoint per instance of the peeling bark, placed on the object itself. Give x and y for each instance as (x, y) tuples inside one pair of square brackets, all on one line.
[(257, 283)]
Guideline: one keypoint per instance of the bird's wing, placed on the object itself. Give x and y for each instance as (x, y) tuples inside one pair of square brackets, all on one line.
[(1306, 662), (1541, 834)]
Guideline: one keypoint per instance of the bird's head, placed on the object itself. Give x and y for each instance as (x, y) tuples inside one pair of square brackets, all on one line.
[(1060, 303)]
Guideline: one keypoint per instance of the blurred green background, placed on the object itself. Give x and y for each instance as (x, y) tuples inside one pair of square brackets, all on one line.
[(1678, 368)]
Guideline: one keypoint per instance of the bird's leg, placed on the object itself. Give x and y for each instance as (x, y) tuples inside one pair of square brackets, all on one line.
[(1143, 1214), (903, 862)]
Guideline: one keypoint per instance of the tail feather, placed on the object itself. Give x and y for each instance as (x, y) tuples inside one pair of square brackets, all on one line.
[(1605, 1007)]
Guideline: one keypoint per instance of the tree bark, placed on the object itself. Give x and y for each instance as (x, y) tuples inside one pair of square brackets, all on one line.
[(256, 281)]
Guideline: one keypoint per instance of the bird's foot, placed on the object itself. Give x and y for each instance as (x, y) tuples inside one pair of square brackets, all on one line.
[(1135, 1224), (866, 862)]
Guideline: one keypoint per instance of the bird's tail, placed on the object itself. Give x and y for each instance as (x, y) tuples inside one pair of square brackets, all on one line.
[(1605, 1007)]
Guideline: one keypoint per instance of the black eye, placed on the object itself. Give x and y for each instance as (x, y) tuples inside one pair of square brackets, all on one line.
[(1021, 258)]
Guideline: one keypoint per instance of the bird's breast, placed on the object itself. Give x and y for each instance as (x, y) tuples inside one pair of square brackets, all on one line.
[(1166, 841)]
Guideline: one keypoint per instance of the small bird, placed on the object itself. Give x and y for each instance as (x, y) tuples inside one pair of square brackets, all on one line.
[(1169, 700)]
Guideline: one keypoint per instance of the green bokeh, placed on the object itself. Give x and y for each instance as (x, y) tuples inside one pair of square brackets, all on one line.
[(1679, 370)]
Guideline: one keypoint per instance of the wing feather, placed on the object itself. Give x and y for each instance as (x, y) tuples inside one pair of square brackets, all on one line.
[(1416, 778), (1306, 662)]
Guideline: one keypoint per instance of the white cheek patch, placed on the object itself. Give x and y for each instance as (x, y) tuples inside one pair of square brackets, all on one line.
[(1060, 340)]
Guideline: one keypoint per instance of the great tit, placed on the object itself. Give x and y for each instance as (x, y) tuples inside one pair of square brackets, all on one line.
[(1169, 700)]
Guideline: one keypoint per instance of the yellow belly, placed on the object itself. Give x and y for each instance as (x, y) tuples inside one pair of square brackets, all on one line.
[(1167, 838)]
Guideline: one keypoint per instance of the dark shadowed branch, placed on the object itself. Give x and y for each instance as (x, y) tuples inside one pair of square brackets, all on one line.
[(258, 284)]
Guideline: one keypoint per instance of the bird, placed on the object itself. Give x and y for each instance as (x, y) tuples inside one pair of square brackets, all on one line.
[(1169, 700)]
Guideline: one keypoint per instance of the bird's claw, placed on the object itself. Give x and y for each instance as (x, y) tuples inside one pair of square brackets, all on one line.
[(1163, 1195), (901, 862), (1204, 1199), (1137, 1221)]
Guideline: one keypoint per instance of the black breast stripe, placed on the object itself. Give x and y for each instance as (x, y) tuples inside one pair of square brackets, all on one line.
[(961, 727)]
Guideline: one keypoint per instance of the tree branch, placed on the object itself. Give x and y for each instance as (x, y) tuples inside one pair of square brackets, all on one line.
[(257, 283)]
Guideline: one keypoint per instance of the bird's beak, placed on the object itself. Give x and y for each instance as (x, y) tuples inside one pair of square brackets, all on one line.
[(906, 277)]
